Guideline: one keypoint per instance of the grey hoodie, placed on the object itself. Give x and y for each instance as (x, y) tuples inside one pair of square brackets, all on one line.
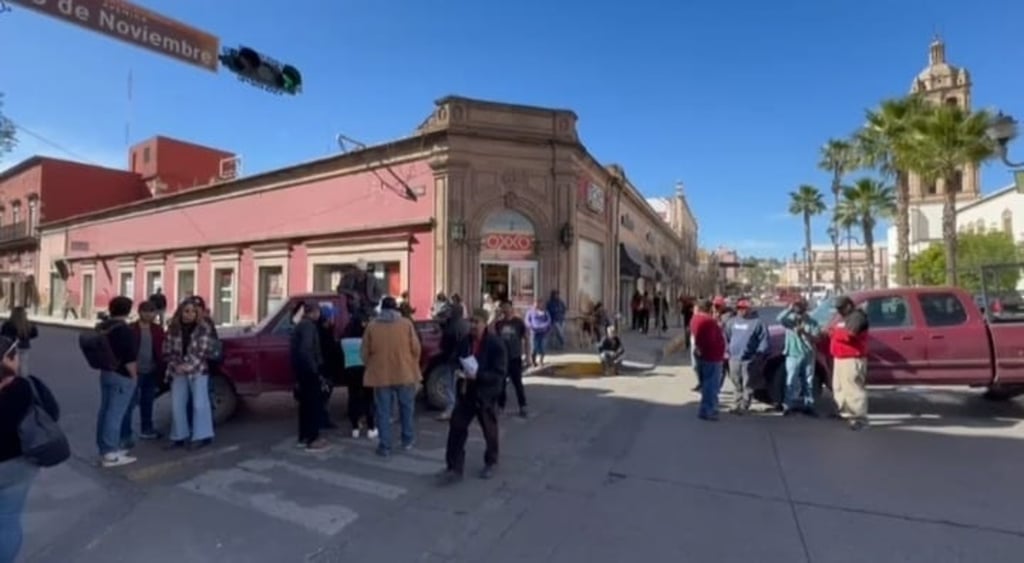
[(388, 316)]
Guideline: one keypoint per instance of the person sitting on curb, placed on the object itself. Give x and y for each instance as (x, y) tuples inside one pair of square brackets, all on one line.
[(611, 351)]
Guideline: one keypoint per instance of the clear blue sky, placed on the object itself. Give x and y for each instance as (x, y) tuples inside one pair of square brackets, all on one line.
[(733, 98)]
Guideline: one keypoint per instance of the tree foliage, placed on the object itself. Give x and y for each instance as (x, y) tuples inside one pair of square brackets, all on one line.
[(974, 250), (8, 137)]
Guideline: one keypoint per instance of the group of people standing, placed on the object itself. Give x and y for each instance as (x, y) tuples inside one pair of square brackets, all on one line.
[(734, 344), (135, 359)]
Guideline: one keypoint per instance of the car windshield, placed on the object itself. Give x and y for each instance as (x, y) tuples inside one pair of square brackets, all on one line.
[(271, 315), (824, 312)]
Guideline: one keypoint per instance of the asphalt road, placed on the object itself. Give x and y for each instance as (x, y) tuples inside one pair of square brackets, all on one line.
[(609, 470)]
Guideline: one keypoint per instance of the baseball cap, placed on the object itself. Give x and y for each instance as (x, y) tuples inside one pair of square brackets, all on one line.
[(743, 304), (719, 301)]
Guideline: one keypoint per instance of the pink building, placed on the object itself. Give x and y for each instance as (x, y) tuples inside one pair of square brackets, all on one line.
[(484, 197)]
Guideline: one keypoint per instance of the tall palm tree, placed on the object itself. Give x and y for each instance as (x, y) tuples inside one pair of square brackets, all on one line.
[(839, 157), (883, 143), (946, 139), (867, 201), (846, 219), (806, 202)]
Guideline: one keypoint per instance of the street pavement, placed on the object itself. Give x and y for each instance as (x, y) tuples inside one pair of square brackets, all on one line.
[(607, 470)]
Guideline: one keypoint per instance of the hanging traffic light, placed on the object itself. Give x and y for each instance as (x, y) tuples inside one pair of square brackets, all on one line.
[(262, 71)]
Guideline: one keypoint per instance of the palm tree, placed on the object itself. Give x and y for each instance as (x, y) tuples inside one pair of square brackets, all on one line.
[(839, 157), (807, 202), (846, 219), (867, 201), (945, 139), (883, 144)]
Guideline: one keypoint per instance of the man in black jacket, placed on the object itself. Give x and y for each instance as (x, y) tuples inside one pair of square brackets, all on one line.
[(307, 366), (477, 394)]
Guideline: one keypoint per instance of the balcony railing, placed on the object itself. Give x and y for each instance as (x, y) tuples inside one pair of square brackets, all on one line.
[(15, 231)]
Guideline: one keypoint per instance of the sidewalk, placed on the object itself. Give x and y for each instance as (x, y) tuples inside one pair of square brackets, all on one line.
[(640, 350)]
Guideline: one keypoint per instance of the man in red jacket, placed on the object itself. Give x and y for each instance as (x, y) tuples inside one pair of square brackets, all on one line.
[(848, 346), (709, 353)]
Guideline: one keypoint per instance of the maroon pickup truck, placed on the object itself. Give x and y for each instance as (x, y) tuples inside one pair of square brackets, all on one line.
[(920, 336), (256, 359)]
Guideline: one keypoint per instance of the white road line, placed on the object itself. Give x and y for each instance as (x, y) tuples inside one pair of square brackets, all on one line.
[(326, 519), (364, 454), (334, 478)]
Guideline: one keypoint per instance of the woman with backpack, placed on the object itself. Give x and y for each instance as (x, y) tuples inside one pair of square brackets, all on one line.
[(19, 328), (188, 349), (16, 472)]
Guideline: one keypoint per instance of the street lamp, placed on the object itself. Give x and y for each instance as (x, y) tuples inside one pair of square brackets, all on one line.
[(1002, 130)]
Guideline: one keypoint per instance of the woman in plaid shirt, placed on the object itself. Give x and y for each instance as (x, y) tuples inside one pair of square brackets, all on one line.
[(189, 347)]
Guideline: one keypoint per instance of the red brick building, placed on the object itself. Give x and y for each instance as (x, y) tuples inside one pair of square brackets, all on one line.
[(483, 197), (43, 189)]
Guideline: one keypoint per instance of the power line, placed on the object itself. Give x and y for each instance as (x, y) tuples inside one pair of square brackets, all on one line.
[(53, 144)]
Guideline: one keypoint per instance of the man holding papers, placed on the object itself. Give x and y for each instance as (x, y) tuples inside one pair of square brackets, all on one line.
[(483, 361)]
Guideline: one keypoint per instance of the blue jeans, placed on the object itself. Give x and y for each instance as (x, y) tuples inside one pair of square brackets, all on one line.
[(710, 377), (384, 398), (15, 479), (558, 331), (538, 344), (145, 395), (799, 382), (116, 393), (198, 389)]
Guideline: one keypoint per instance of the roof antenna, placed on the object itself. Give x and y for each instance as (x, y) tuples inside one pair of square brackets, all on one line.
[(348, 144)]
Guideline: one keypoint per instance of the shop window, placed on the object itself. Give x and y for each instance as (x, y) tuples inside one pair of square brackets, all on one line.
[(186, 284), (126, 286), (16, 212), (1008, 222)]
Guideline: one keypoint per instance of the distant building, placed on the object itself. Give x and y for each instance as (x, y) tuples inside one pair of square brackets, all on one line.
[(45, 190), (853, 267)]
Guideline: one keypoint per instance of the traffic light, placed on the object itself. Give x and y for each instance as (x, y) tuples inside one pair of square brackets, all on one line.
[(262, 71)]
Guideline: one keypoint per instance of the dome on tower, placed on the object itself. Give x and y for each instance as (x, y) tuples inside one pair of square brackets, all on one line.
[(939, 74)]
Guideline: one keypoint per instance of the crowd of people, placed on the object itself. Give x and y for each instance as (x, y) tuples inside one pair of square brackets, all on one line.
[(732, 343)]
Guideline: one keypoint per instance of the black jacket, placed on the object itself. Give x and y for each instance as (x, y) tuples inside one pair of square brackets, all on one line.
[(492, 359), (10, 331), (306, 355), (330, 351)]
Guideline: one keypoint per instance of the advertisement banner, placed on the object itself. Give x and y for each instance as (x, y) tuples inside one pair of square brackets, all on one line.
[(135, 25)]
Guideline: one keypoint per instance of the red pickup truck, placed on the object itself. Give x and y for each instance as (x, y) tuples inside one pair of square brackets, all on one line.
[(256, 359), (920, 336)]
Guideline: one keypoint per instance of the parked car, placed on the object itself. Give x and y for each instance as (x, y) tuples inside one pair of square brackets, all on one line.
[(920, 336), (256, 359)]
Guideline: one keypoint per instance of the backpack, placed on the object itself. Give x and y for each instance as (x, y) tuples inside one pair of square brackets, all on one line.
[(43, 443), (95, 345)]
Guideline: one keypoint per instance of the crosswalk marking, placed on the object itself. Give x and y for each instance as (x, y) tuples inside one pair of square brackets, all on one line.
[(416, 462), (335, 478), (328, 519)]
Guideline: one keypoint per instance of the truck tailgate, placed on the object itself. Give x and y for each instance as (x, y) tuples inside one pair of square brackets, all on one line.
[(1008, 345)]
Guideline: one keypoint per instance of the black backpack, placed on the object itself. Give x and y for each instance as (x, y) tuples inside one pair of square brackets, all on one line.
[(95, 345), (43, 443)]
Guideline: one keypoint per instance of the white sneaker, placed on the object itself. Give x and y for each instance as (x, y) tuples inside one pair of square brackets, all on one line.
[(371, 434), (355, 433), (117, 459)]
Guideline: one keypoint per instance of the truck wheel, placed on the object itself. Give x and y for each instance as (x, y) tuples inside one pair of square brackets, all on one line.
[(771, 390), (435, 388), (223, 399)]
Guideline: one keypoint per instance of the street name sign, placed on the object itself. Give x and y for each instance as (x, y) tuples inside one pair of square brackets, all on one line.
[(135, 25)]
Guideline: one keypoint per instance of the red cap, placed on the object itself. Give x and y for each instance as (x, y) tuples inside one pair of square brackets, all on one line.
[(718, 301), (743, 304)]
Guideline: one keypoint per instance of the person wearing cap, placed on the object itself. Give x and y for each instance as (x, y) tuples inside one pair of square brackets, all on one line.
[(483, 358), (709, 353), (391, 354), (149, 338), (307, 362), (849, 348), (362, 289), (802, 333), (747, 337)]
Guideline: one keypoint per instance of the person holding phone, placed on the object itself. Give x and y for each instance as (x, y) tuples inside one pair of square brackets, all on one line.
[(22, 331), (16, 473)]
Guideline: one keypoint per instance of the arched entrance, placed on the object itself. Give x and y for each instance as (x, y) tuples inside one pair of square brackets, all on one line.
[(508, 265)]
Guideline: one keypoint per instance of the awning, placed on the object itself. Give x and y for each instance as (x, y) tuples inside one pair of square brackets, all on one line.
[(632, 263), (657, 273)]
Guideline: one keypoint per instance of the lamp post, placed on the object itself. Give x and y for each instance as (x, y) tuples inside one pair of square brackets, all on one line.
[(1002, 130)]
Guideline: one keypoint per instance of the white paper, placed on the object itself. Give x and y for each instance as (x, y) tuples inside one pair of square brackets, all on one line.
[(469, 365)]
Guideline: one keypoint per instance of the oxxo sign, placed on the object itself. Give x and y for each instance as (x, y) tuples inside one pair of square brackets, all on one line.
[(508, 242), (136, 25)]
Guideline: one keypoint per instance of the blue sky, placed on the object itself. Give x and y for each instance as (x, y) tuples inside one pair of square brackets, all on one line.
[(732, 98)]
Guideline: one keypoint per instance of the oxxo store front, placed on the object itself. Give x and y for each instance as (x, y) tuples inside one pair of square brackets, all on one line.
[(508, 265)]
